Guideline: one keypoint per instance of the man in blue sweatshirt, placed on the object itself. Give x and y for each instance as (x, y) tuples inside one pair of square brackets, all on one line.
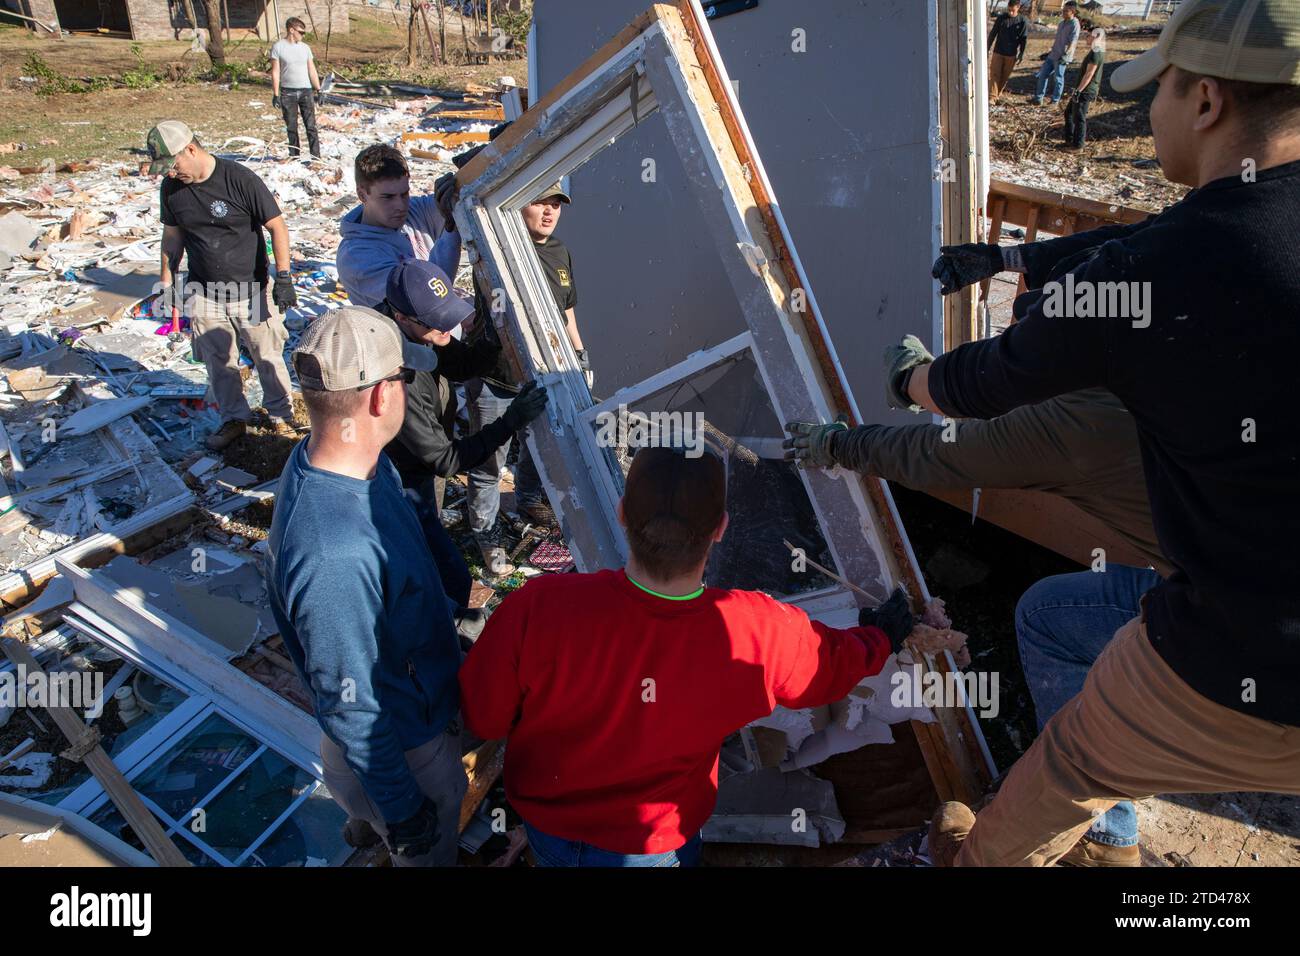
[(391, 226), (357, 597)]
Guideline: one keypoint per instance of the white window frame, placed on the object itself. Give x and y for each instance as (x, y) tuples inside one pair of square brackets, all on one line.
[(653, 66)]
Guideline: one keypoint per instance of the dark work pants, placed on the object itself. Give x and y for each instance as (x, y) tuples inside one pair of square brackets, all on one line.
[(1076, 119), (292, 102)]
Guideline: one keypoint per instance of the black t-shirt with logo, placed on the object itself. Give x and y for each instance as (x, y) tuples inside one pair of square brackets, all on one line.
[(222, 218), (558, 266)]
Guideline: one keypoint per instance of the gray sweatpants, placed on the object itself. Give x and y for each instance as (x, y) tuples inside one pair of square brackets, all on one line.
[(439, 773)]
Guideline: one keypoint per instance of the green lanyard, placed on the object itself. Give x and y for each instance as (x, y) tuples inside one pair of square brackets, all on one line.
[(666, 597)]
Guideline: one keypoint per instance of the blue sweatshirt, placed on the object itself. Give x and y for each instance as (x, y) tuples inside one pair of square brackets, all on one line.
[(368, 253), (362, 611)]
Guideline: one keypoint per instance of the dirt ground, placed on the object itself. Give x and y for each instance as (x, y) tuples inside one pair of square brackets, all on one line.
[(1027, 143), (111, 123)]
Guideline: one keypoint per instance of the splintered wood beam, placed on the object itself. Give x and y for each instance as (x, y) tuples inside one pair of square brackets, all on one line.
[(85, 746), (447, 139), (482, 766)]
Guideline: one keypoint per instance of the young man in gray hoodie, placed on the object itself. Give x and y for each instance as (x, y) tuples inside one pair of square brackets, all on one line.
[(389, 227), (1059, 57)]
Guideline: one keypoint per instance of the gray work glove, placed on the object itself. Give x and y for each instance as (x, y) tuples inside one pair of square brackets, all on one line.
[(811, 445), (169, 297), (320, 97), (275, 101), (960, 266), (894, 617), (527, 405), (416, 835), (899, 361)]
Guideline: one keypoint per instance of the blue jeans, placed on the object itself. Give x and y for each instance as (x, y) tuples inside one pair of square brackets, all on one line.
[(555, 851), (1056, 72), (487, 403), (1062, 624)]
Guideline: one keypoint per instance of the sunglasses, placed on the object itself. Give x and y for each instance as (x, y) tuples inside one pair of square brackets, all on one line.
[(406, 376)]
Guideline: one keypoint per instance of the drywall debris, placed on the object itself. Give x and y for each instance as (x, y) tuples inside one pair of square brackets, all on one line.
[(17, 234), (99, 414)]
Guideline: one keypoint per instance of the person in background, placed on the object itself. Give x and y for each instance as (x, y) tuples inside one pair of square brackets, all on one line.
[(1086, 90), (1059, 58), (1007, 42), (213, 212), (391, 226), (295, 87), (489, 397)]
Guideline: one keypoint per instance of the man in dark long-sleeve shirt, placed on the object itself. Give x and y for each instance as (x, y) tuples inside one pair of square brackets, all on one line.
[(1007, 42), (422, 302), (1190, 319)]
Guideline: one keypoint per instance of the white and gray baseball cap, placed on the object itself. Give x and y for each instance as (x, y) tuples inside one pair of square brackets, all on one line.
[(163, 143), (355, 347), (1256, 41)]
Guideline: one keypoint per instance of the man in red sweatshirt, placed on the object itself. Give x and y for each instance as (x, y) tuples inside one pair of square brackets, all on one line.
[(616, 689)]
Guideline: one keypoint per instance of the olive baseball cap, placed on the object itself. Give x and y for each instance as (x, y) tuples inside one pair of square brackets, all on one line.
[(1256, 41), (556, 191), (163, 143), (354, 347)]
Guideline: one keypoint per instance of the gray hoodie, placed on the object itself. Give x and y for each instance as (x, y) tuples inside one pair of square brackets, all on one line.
[(368, 253), (1067, 38)]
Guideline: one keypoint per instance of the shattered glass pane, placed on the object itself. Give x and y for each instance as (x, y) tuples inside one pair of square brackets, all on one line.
[(193, 767), (241, 813), (725, 409), (313, 836)]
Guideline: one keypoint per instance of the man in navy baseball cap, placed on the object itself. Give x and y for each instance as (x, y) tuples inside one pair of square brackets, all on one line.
[(421, 299), (422, 294)]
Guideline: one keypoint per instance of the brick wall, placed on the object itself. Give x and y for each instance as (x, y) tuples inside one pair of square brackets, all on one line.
[(42, 10), (166, 19)]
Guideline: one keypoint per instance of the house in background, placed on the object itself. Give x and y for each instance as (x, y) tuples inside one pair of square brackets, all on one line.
[(170, 20)]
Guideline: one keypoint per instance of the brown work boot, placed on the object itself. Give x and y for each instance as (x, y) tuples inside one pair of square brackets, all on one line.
[(1091, 853), (949, 828), (226, 434), (283, 428)]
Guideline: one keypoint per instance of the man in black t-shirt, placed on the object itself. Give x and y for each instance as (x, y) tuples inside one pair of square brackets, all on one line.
[(1007, 42), (490, 396), (213, 212)]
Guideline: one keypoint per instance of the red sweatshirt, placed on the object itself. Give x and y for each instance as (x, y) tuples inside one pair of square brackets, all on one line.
[(616, 701)]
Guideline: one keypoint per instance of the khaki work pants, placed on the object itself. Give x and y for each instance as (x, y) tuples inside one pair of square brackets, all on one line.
[(1136, 729), (438, 771), (220, 323), (1000, 68)]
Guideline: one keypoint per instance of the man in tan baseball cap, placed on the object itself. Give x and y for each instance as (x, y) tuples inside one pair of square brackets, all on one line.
[(1199, 690), (357, 596)]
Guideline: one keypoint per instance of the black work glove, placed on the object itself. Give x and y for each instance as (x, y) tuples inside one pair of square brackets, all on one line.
[(320, 97), (900, 359), (584, 363), (894, 617), (811, 445), (470, 622), (282, 293), (527, 405), (461, 159), (415, 836), (275, 101), (444, 193), (169, 297), (960, 266)]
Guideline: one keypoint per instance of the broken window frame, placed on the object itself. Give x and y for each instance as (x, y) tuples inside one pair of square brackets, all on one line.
[(654, 65), (181, 657)]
